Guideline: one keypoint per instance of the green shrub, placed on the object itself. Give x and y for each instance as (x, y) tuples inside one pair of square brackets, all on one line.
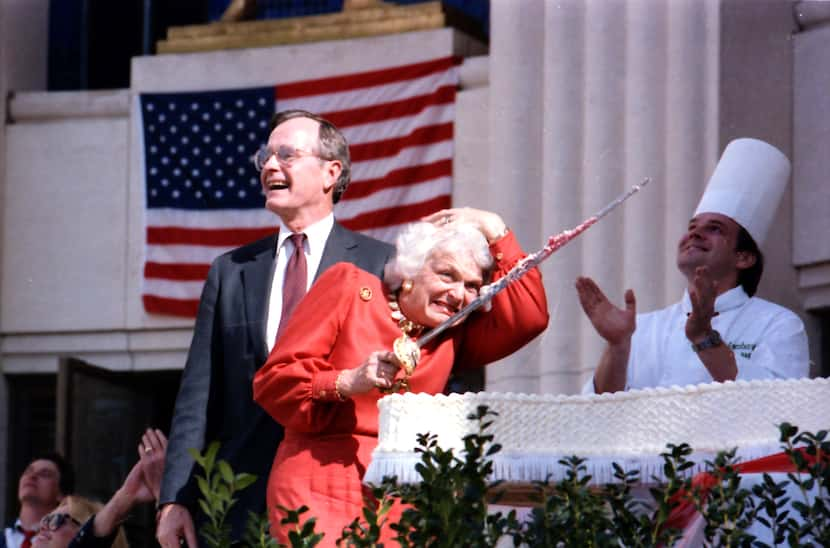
[(448, 507)]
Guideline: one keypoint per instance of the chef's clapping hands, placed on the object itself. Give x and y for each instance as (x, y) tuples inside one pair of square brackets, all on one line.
[(702, 294), (614, 324)]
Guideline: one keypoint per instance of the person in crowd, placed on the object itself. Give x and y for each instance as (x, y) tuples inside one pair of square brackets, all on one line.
[(719, 330), (248, 296), (58, 528), (43, 484), (81, 523), (323, 381)]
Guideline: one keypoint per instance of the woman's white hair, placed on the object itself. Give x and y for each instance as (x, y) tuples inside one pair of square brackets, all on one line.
[(417, 241)]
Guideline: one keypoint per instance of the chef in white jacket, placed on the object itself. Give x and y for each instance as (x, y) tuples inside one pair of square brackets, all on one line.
[(719, 330)]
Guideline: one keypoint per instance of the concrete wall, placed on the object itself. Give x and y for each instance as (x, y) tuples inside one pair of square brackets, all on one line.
[(23, 32)]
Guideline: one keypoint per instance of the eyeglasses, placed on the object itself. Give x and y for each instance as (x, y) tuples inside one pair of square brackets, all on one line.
[(53, 522), (286, 155)]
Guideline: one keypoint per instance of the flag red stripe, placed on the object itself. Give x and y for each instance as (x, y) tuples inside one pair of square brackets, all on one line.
[(397, 214), (359, 80), (176, 271), (389, 147), (174, 307), (399, 177), (222, 237), (390, 110)]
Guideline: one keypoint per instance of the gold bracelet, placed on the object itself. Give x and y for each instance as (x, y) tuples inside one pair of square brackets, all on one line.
[(337, 387)]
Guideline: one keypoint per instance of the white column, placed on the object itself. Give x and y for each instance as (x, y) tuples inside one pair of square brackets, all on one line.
[(614, 91), (691, 131), (515, 150), (644, 231), (561, 188)]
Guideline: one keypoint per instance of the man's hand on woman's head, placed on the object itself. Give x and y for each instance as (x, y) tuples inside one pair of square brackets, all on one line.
[(490, 224)]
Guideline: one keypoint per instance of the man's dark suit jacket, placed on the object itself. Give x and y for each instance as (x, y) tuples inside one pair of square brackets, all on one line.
[(215, 400)]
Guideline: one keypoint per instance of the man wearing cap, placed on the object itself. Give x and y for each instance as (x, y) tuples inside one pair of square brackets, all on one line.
[(719, 330)]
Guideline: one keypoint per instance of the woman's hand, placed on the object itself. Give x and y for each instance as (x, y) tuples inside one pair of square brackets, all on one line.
[(490, 224), (152, 452), (378, 371)]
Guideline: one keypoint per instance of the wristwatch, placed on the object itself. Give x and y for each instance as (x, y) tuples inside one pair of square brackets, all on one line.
[(710, 341)]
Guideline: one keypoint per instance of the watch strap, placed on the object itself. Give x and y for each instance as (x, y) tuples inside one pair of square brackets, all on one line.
[(711, 340)]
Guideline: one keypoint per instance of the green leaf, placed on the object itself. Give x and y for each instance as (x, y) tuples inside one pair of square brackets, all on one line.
[(225, 471), (196, 456), (244, 480), (210, 456), (204, 488)]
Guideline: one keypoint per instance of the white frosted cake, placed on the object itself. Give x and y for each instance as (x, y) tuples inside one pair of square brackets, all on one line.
[(629, 428)]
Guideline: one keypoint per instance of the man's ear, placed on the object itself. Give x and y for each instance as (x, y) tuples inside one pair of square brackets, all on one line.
[(332, 171), (745, 259)]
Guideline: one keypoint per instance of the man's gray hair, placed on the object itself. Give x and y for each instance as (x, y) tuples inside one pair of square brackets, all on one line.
[(332, 144), (418, 241)]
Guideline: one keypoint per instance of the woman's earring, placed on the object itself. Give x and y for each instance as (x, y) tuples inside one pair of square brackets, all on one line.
[(406, 286)]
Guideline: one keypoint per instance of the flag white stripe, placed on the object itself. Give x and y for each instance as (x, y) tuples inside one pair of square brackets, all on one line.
[(399, 127), (396, 196), (407, 157), (370, 95), (173, 289), (220, 218), (184, 254)]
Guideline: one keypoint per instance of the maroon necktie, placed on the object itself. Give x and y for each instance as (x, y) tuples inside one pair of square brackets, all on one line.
[(27, 538), (294, 282)]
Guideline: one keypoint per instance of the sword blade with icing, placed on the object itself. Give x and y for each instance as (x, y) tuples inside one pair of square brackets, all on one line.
[(408, 350)]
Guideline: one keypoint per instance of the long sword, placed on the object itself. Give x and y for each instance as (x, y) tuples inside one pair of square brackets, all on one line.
[(408, 350)]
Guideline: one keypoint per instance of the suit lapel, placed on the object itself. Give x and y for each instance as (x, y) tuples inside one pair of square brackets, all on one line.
[(338, 248), (256, 279)]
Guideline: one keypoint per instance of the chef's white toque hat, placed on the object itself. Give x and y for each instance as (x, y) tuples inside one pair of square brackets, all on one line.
[(747, 185)]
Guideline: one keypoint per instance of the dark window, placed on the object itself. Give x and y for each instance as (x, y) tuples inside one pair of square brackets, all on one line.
[(105, 415), (91, 42), (823, 366), (31, 428), (98, 429)]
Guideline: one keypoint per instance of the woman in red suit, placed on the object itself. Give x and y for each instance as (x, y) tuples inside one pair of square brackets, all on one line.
[(322, 380)]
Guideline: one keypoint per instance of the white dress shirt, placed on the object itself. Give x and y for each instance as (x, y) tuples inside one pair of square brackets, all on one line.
[(14, 537), (316, 237), (768, 340)]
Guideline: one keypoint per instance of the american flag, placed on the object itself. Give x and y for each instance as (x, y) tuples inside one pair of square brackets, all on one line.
[(203, 193)]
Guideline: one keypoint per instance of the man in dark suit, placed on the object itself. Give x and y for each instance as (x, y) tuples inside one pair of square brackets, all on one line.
[(44, 482), (304, 169)]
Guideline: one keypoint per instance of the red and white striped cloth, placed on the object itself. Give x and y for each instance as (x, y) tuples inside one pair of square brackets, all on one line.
[(399, 124)]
